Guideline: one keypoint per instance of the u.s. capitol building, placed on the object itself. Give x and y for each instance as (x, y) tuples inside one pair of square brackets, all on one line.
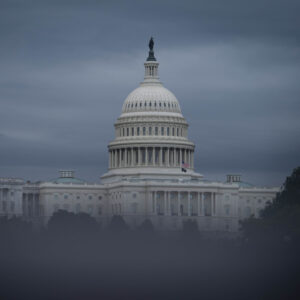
[(150, 174)]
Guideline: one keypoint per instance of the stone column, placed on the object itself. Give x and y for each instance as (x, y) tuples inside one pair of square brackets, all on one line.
[(189, 204), (180, 156), (120, 158), (214, 203), (153, 156), (132, 157), (109, 159), (199, 204), (160, 156), (146, 156), (169, 203), (165, 203), (125, 157), (140, 156), (174, 157), (116, 158), (179, 204), (24, 204), (155, 203)]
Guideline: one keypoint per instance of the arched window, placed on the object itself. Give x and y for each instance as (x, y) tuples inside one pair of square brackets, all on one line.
[(150, 130), (144, 130), (159, 104), (173, 131), (132, 131), (162, 131), (150, 104), (164, 104), (156, 130), (138, 131), (168, 130), (155, 104)]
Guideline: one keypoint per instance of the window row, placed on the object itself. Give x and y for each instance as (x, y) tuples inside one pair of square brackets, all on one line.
[(77, 208), (154, 104), (67, 196), (137, 131)]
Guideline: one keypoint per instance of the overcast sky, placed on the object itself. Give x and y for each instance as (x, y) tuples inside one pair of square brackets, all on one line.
[(67, 67)]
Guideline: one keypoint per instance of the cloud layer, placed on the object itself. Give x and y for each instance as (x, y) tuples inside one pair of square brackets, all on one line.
[(67, 66)]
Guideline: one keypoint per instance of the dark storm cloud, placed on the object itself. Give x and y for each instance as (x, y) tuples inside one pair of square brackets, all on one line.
[(67, 66)]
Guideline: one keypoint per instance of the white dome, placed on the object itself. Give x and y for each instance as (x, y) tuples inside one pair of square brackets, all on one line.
[(151, 97)]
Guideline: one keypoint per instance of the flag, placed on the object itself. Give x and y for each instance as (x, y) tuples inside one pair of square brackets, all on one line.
[(184, 166)]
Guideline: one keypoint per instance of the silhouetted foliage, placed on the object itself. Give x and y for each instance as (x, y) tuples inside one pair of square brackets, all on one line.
[(190, 227), (64, 223), (14, 233), (280, 220), (118, 225), (146, 226), (14, 228)]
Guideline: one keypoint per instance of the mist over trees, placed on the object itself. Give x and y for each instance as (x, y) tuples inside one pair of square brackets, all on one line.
[(279, 222), (75, 257)]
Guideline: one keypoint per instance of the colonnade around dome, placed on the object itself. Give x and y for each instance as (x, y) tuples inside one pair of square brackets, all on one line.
[(160, 156)]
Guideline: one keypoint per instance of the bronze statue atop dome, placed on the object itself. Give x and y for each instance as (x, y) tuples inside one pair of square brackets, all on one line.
[(151, 44), (151, 56)]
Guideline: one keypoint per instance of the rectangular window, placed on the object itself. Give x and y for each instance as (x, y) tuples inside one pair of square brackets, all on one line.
[(168, 130), (144, 130), (177, 131), (132, 131), (173, 131), (138, 131), (127, 131), (162, 131), (156, 130), (150, 130)]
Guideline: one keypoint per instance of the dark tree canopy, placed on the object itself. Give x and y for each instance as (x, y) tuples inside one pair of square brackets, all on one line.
[(117, 224), (64, 223), (280, 220)]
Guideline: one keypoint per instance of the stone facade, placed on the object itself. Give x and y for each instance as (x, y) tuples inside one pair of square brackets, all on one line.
[(150, 175)]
